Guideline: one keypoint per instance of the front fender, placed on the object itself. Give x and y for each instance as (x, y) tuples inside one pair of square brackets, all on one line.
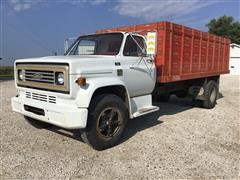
[(84, 94)]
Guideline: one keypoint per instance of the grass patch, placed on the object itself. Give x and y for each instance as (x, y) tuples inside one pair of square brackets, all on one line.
[(6, 71)]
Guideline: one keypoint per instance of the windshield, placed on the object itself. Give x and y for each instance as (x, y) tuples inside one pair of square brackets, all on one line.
[(97, 44)]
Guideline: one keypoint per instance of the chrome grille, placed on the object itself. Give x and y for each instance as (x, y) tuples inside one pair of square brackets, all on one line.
[(41, 97), (40, 76)]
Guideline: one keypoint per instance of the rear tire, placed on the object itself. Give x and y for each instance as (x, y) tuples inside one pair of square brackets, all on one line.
[(211, 91), (107, 119), (36, 123)]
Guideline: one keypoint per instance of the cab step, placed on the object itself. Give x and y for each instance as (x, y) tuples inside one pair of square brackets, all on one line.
[(145, 110)]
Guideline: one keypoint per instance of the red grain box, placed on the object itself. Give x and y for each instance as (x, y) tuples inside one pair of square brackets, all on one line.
[(184, 53)]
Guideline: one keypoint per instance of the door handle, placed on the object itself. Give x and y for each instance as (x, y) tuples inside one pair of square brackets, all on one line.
[(150, 61)]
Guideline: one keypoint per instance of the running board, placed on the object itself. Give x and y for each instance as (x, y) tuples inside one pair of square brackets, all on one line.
[(145, 110)]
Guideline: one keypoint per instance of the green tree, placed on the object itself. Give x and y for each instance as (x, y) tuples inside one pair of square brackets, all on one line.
[(225, 26)]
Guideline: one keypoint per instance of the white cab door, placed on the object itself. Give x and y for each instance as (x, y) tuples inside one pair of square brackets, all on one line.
[(138, 70)]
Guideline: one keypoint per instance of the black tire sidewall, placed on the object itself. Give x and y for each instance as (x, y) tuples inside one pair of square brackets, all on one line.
[(209, 88), (97, 106)]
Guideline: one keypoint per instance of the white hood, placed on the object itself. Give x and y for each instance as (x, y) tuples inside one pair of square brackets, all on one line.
[(77, 64)]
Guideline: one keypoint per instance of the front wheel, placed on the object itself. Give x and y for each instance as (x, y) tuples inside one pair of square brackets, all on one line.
[(107, 119)]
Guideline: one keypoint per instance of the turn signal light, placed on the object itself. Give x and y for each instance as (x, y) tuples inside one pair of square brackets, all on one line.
[(81, 81)]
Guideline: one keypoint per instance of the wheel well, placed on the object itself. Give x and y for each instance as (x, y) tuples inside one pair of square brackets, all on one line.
[(117, 90), (215, 78)]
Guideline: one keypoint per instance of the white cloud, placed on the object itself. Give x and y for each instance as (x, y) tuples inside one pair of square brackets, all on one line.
[(97, 2), (21, 5), (92, 2), (153, 10)]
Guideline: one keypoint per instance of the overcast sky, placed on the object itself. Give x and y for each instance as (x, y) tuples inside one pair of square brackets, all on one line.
[(33, 28)]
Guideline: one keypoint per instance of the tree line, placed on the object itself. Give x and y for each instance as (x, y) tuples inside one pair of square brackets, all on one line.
[(225, 26)]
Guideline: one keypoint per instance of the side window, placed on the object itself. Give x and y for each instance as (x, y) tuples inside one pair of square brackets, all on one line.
[(132, 49)]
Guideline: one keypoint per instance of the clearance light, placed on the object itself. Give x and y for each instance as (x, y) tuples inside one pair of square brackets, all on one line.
[(81, 81)]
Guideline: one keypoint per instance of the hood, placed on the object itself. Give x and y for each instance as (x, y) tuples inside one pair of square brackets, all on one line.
[(77, 64), (62, 59)]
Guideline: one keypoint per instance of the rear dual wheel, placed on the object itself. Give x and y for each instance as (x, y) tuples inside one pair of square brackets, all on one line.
[(211, 91)]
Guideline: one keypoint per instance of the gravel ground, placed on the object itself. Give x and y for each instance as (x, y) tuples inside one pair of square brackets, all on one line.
[(178, 142)]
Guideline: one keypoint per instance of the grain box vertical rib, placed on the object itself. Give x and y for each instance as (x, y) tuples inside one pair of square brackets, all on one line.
[(200, 50), (182, 47), (164, 47), (191, 58), (207, 58), (213, 55), (219, 53), (170, 50), (223, 62)]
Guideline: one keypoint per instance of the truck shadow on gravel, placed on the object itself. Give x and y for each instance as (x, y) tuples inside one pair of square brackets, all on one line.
[(174, 106)]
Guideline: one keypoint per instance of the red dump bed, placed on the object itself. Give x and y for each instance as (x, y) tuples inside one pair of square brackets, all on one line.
[(184, 53)]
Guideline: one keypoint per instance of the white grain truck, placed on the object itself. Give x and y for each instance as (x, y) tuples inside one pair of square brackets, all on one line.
[(108, 77)]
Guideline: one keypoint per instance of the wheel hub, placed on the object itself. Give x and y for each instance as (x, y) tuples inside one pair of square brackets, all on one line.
[(109, 122)]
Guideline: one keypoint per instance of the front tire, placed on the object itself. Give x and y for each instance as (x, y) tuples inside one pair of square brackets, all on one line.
[(107, 119)]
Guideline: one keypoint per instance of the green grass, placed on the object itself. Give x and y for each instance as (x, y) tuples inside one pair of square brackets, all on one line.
[(6, 71)]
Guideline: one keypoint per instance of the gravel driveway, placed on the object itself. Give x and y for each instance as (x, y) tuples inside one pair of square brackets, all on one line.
[(177, 142)]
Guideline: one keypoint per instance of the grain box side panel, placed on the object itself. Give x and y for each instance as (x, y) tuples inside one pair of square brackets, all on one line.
[(184, 53), (190, 54)]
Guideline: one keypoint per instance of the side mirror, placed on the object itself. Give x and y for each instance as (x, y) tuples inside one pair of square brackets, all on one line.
[(65, 46), (151, 43)]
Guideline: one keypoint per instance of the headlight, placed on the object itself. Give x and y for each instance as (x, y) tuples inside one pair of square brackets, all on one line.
[(21, 75), (59, 78)]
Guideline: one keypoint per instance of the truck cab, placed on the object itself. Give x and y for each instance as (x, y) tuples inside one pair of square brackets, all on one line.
[(101, 81)]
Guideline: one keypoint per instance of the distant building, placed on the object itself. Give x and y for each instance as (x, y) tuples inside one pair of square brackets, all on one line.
[(234, 64)]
